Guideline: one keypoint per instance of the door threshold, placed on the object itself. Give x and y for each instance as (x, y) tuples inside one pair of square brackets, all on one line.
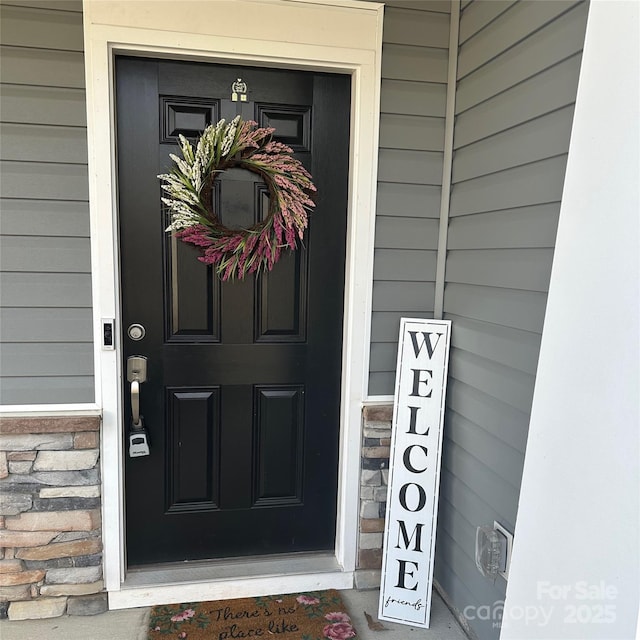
[(228, 568), (232, 578)]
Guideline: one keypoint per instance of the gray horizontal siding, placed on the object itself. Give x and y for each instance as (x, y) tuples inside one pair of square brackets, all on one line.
[(73, 389), (381, 382), (48, 290), (418, 64), (505, 307), (408, 200), (420, 28), (411, 167), (511, 347), (435, 6), (506, 384), (455, 491), (537, 183), (453, 546), (506, 423), (42, 67), (551, 89), (411, 132), (527, 269), (44, 181), (409, 296), (413, 101), (44, 143), (46, 343), (403, 265), (529, 226), (59, 5), (517, 22), (406, 233), (458, 584), (517, 81), (43, 105), (543, 49), (544, 137), (499, 495), (479, 449), (59, 218), (45, 324), (41, 28), (34, 359), (41, 254), (478, 15)]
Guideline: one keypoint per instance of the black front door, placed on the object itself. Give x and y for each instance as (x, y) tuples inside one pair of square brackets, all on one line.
[(243, 391)]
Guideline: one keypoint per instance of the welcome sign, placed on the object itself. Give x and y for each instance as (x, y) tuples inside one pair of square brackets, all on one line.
[(414, 471)]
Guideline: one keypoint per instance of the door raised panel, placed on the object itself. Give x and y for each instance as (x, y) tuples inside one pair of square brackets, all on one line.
[(281, 294), (193, 454), (186, 116), (278, 444), (193, 312), (191, 318), (281, 300), (193, 298), (291, 122)]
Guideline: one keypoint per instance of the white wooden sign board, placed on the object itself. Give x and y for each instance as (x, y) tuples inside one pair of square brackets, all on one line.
[(414, 471)]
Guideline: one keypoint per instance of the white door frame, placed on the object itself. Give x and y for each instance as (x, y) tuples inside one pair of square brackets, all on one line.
[(342, 36)]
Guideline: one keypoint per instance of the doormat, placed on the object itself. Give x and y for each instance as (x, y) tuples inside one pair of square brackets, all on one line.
[(317, 615)]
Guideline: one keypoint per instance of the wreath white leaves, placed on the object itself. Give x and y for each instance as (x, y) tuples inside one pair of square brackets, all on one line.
[(188, 188)]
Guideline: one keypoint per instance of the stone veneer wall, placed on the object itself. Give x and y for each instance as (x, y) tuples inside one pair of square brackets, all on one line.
[(50, 522), (374, 474), (50, 527)]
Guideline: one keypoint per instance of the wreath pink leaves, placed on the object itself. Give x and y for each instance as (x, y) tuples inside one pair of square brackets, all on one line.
[(188, 187)]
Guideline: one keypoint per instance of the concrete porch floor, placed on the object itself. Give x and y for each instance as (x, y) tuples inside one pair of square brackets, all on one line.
[(131, 624)]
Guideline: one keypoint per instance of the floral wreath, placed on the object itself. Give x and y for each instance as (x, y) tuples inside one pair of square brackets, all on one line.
[(189, 185)]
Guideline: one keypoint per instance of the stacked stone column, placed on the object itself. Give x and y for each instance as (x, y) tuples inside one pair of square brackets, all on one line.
[(374, 474), (50, 523)]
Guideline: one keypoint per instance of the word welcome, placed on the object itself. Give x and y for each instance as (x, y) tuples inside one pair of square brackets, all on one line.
[(421, 376)]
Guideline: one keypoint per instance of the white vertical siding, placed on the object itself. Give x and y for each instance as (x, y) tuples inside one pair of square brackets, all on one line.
[(414, 75), (517, 81), (45, 315)]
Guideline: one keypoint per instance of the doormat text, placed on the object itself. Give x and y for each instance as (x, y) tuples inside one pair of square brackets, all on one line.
[(302, 616)]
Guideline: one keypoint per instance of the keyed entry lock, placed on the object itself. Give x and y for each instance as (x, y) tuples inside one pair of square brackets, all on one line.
[(138, 436), (136, 332)]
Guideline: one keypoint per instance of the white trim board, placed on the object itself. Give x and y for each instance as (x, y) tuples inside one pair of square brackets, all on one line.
[(376, 401), (49, 410), (447, 162), (335, 36), (249, 587), (219, 578)]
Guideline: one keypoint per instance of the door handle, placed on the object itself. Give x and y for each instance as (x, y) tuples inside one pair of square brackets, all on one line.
[(135, 402), (136, 375)]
